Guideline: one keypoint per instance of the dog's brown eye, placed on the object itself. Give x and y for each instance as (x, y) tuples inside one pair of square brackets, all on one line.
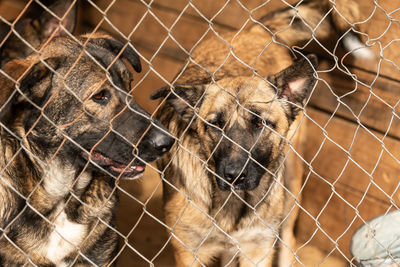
[(271, 124), (257, 122), (218, 123), (102, 97)]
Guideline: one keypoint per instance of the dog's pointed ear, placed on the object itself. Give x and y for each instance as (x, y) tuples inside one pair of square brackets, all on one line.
[(295, 82), (184, 98), (48, 23)]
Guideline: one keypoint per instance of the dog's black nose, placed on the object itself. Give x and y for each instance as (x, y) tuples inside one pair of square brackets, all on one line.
[(233, 172), (162, 142)]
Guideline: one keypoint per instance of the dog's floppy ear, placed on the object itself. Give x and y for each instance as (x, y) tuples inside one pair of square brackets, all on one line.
[(98, 46), (294, 83), (49, 23), (105, 50), (184, 98)]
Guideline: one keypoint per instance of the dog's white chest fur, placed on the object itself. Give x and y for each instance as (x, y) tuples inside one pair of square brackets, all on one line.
[(59, 178), (65, 238)]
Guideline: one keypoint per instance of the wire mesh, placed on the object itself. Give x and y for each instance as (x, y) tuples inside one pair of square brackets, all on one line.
[(347, 162)]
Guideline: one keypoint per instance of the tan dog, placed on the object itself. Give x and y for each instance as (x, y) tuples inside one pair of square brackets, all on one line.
[(230, 183)]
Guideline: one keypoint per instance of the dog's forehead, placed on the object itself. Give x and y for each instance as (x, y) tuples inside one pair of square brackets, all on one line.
[(82, 73), (85, 78), (255, 90), (244, 91), (81, 66)]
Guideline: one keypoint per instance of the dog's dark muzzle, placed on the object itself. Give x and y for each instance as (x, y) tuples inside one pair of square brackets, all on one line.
[(155, 143), (238, 175), (148, 136), (126, 159), (134, 141)]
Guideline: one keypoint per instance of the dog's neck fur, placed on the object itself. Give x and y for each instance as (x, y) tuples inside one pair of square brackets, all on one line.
[(59, 197), (60, 178), (54, 178)]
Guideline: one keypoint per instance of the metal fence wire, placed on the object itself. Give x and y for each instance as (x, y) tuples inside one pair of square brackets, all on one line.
[(71, 133)]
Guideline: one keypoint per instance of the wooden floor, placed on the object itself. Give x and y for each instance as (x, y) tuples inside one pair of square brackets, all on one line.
[(139, 218)]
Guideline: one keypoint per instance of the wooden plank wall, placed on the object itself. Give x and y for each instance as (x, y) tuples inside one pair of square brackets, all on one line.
[(353, 147)]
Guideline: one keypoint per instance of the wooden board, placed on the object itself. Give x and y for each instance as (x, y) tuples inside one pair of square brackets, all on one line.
[(192, 20), (330, 219), (345, 185), (383, 34), (353, 156), (149, 79), (151, 28), (370, 100), (230, 14), (375, 25), (139, 214)]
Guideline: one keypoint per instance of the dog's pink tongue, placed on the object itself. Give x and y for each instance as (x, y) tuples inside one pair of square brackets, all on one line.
[(117, 167), (140, 168), (124, 169)]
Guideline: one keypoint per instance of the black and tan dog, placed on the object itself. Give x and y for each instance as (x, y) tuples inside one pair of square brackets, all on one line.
[(69, 130), (235, 109), (67, 133)]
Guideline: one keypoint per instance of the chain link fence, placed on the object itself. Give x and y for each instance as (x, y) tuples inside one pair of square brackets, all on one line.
[(341, 154)]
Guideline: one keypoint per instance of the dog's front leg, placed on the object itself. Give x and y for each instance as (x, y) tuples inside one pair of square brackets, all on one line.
[(95, 208), (293, 180), (200, 257), (97, 201), (185, 259)]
